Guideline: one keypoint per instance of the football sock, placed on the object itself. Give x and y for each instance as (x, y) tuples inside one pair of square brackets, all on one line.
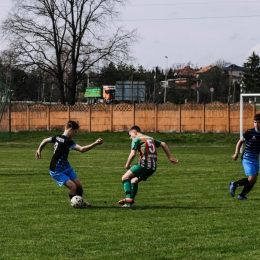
[(71, 196), (246, 189), (134, 189), (79, 192), (242, 182), (127, 188)]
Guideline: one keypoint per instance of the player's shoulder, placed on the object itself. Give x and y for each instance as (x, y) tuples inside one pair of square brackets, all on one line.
[(252, 131), (249, 131)]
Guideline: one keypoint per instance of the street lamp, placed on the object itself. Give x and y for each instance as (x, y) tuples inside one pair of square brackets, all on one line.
[(197, 89), (165, 79)]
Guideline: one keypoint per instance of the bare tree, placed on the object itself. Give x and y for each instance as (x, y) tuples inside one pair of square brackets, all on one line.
[(65, 38), (221, 63)]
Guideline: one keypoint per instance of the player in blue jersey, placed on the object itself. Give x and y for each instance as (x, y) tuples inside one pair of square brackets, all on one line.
[(60, 169), (250, 159)]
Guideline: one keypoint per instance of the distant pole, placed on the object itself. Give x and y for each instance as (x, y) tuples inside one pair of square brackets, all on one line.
[(165, 79), (9, 96), (198, 93), (154, 84), (132, 87)]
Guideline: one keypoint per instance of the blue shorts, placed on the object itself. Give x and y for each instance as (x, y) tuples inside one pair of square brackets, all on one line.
[(250, 167), (62, 177)]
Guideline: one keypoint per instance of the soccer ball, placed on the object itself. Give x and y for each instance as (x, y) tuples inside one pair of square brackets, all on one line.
[(76, 201)]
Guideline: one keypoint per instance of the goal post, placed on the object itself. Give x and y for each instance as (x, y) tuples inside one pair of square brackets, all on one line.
[(242, 112)]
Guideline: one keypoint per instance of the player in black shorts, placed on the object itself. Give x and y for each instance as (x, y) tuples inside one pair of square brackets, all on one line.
[(60, 169)]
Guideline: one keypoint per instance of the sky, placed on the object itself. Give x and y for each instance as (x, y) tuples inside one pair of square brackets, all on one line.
[(196, 31)]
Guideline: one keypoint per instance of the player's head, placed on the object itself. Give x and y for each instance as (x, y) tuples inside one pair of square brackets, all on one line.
[(71, 128), (257, 117), (72, 124), (257, 122), (134, 131)]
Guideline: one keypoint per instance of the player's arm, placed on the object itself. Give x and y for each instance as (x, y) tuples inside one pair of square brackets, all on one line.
[(168, 153), (238, 146), (86, 148), (41, 146), (130, 159)]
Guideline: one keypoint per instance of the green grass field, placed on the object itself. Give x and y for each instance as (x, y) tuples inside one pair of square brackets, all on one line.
[(183, 211)]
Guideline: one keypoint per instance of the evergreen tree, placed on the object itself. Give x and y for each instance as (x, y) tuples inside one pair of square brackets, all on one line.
[(252, 74)]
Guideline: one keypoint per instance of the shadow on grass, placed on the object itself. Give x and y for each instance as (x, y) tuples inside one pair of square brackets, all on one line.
[(154, 207)]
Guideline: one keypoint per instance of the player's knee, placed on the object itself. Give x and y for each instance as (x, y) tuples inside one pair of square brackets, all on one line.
[(134, 180), (124, 178), (252, 179), (73, 188)]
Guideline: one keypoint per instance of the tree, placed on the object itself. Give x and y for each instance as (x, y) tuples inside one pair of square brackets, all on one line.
[(221, 63), (66, 38), (251, 76), (216, 78)]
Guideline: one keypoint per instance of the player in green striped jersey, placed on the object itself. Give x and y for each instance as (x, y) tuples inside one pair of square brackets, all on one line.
[(146, 146)]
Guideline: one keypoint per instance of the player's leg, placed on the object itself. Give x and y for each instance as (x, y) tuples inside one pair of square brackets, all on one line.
[(251, 182), (134, 186), (74, 178), (126, 180), (251, 170), (79, 190), (72, 188), (130, 182), (242, 182)]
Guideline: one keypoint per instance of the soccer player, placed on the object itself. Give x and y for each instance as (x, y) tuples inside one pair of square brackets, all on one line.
[(60, 169), (250, 159), (146, 166)]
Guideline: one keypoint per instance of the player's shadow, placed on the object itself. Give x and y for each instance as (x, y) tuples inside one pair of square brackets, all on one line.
[(176, 207), (154, 207)]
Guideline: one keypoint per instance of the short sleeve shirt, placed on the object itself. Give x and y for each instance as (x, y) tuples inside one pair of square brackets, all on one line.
[(252, 148), (146, 146), (62, 146)]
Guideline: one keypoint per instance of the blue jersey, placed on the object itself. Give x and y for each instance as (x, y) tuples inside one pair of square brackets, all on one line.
[(252, 149), (62, 146)]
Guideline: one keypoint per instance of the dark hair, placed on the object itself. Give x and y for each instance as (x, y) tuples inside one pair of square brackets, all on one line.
[(257, 117), (72, 124), (136, 128)]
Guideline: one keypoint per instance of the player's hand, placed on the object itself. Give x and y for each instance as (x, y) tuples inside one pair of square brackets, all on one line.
[(173, 160), (235, 156), (127, 166), (99, 141), (38, 155)]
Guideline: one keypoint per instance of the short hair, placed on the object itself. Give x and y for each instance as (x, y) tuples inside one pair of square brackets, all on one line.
[(136, 128), (257, 117), (72, 124)]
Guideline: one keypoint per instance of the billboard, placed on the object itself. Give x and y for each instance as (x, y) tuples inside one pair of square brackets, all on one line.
[(130, 91), (93, 93)]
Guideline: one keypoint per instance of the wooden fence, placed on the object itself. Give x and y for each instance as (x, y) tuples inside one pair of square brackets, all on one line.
[(167, 117)]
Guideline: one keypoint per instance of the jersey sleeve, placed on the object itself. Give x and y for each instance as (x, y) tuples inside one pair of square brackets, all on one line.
[(71, 144), (53, 139), (246, 135), (157, 142), (135, 144)]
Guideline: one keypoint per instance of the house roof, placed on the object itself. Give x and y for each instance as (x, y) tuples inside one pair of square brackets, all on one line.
[(205, 69), (234, 67), (186, 71)]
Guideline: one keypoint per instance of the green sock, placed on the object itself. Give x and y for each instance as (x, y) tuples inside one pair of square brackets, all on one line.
[(127, 188), (134, 189)]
